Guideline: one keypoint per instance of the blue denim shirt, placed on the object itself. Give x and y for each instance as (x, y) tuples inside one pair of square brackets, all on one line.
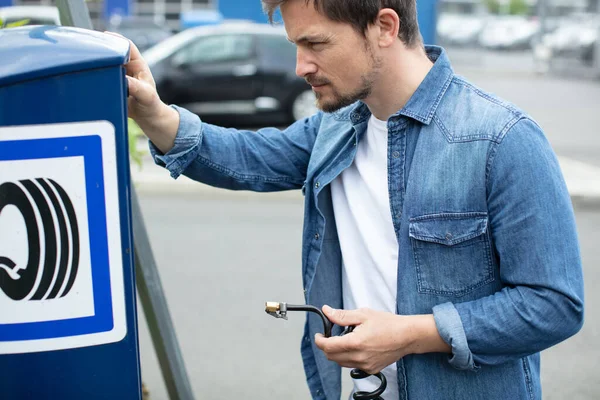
[(485, 227)]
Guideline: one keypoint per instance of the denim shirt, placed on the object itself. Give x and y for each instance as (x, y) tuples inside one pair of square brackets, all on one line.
[(485, 228)]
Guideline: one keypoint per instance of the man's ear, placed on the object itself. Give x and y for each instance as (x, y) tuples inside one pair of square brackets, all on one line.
[(388, 23)]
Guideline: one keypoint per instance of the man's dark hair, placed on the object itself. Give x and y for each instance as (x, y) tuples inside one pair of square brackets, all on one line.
[(361, 13)]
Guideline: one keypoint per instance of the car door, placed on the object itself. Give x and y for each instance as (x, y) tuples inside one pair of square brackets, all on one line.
[(216, 74)]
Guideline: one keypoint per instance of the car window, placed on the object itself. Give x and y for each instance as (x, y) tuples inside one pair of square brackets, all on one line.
[(277, 48), (213, 49), (277, 51)]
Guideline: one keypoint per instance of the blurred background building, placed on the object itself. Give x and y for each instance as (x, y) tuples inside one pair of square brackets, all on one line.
[(173, 14), (164, 12)]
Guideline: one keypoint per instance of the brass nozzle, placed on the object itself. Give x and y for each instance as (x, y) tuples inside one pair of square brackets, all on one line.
[(272, 306), (277, 310)]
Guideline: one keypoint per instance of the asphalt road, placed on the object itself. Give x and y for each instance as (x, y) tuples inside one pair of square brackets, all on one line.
[(222, 255)]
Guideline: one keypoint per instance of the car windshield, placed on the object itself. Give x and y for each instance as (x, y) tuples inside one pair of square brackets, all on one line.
[(216, 48), (165, 48)]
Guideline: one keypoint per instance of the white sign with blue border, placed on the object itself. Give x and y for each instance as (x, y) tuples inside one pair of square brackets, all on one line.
[(61, 265)]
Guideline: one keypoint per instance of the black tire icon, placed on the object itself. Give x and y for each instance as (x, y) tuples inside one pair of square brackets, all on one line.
[(55, 235)]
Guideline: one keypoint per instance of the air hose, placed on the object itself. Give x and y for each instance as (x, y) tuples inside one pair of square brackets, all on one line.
[(280, 310)]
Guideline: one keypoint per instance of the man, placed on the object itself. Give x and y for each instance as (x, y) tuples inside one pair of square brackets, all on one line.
[(437, 220)]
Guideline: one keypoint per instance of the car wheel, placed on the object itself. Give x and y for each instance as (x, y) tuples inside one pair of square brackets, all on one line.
[(304, 105)]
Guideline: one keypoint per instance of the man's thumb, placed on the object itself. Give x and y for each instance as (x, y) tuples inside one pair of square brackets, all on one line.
[(343, 317)]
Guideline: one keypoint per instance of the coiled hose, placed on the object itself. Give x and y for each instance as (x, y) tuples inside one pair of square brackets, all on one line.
[(279, 310)]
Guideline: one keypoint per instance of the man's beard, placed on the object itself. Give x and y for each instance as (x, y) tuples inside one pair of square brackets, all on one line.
[(341, 100)]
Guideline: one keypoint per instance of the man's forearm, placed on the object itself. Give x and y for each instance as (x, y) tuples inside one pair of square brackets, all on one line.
[(426, 338), (162, 128)]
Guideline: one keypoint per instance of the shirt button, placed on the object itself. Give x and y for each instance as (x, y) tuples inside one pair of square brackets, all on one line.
[(317, 185), (317, 236), (396, 154)]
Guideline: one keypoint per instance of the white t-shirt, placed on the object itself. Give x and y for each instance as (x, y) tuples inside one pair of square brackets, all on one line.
[(367, 238)]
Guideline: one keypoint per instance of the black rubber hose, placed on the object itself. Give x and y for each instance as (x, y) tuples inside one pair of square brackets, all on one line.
[(326, 322), (355, 373), (374, 395)]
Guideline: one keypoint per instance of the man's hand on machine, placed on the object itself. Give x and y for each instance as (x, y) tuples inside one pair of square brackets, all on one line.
[(158, 121)]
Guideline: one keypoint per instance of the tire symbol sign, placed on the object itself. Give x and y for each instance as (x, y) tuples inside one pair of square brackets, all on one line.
[(53, 241), (63, 259)]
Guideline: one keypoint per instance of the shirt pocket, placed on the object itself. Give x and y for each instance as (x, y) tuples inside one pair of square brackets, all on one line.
[(451, 252)]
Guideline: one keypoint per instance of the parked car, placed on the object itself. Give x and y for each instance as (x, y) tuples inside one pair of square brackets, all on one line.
[(143, 32), (576, 37), (509, 32), (459, 29), (460, 22), (240, 69), (34, 15)]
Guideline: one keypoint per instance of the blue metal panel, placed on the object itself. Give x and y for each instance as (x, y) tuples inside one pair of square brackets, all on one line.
[(33, 52), (109, 371), (116, 7), (242, 9), (6, 3), (189, 19), (427, 15)]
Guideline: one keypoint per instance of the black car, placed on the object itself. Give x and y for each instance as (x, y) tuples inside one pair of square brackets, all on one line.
[(232, 73), (143, 32)]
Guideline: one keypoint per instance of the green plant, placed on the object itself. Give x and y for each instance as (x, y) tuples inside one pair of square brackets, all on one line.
[(493, 6), (135, 132), (513, 7), (13, 24), (518, 7)]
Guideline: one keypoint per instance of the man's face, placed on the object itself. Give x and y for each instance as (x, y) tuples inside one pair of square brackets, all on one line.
[(335, 59)]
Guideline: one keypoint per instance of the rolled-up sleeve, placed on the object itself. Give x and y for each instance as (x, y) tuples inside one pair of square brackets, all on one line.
[(534, 238), (451, 330), (268, 159), (186, 145)]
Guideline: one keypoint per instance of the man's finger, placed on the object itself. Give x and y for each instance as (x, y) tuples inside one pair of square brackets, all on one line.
[(136, 63), (335, 344), (140, 91), (146, 76), (320, 340), (135, 53), (344, 317)]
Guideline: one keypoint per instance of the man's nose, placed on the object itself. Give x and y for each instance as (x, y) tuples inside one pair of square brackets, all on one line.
[(304, 65)]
